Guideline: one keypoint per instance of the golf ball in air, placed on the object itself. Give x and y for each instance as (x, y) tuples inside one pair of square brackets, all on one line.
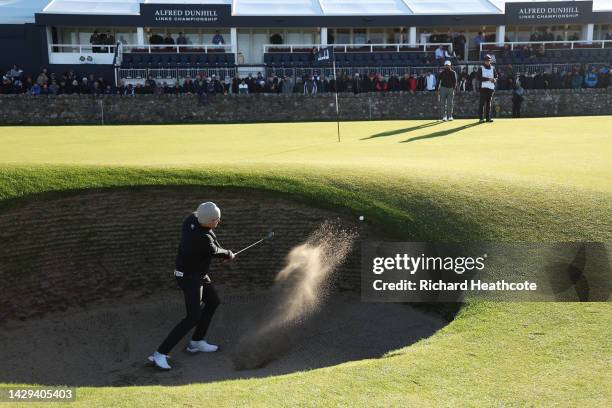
[(361, 218)]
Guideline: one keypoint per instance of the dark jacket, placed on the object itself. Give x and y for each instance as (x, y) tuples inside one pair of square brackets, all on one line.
[(188, 87), (357, 85), (518, 94), (447, 78), (197, 248), (200, 86)]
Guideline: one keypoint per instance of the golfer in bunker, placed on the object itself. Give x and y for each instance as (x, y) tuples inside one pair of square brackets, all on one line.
[(196, 250)]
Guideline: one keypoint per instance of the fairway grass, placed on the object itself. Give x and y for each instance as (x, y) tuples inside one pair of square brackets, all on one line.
[(515, 180)]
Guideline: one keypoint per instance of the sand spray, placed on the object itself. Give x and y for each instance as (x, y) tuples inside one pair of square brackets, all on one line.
[(299, 291)]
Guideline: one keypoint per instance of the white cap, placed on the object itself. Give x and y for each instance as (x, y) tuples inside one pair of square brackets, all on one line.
[(447, 62), (207, 212)]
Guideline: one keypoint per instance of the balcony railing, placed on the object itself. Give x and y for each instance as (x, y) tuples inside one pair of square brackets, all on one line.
[(355, 47), (547, 45), (175, 48), (110, 48), (82, 48)]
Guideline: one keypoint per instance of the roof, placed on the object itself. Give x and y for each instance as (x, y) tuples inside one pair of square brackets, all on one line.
[(19, 11), (276, 8), (364, 7), (22, 11), (454, 7), (602, 5), (106, 7)]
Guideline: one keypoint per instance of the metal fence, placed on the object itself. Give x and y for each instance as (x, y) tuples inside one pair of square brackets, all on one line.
[(132, 73), (532, 69), (329, 72), (219, 72), (170, 75), (526, 69), (384, 71)]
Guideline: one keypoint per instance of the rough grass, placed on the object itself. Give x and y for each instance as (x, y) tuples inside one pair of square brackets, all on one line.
[(515, 180)]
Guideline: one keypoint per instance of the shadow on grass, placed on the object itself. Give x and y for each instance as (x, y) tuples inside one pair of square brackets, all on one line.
[(399, 131), (440, 133)]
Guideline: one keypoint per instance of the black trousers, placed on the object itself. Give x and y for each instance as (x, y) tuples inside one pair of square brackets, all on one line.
[(484, 107), (196, 316), (516, 109)]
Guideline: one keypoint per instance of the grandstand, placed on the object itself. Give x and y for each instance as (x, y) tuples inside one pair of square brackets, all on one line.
[(129, 40)]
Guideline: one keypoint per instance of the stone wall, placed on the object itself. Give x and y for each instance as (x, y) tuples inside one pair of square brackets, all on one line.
[(77, 248), (145, 109)]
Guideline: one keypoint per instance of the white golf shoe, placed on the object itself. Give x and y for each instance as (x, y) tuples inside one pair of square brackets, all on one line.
[(443, 118), (450, 118), (201, 346), (160, 360)]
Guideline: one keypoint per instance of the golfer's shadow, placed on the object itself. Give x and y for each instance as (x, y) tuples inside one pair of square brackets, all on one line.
[(440, 133), (404, 130)]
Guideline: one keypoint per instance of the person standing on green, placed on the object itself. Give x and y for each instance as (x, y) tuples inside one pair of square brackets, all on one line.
[(447, 82), (518, 95)]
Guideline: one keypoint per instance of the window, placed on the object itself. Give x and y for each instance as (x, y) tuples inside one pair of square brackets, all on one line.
[(343, 36), (294, 37), (126, 36), (192, 35), (602, 32), (377, 36), (360, 35)]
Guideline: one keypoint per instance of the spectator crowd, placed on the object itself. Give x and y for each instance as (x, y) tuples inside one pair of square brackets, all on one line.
[(15, 81), (169, 39), (102, 42)]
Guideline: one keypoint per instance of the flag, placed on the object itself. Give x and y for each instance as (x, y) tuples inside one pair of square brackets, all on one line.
[(324, 56)]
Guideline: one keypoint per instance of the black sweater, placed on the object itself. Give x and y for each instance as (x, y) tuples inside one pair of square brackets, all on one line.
[(197, 248), (447, 78)]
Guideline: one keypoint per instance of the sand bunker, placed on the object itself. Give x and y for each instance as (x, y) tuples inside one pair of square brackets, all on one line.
[(109, 345), (118, 310)]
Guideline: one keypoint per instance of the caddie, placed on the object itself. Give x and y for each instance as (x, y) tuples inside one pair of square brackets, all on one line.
[(487, 75)]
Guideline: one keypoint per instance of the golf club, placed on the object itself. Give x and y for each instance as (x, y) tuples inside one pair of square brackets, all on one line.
[(266, 238)]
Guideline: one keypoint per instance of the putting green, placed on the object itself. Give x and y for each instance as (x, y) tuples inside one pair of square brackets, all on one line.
[(569, 151), (514, 180)]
